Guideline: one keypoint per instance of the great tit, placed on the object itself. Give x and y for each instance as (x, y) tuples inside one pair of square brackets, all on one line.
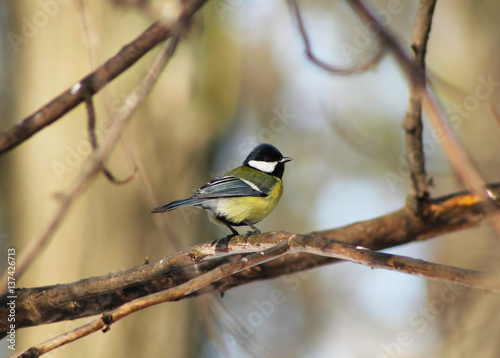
[(242, 196)]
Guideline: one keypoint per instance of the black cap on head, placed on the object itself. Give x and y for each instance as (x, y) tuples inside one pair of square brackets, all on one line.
[(268, 159), (264, 153)]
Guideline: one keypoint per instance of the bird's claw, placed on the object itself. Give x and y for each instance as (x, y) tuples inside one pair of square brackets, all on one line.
[(222, 244), (249, 233)]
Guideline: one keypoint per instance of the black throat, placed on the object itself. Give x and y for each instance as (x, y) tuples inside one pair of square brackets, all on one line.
[(279, 171)]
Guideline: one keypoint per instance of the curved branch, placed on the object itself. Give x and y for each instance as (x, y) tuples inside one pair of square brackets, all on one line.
[(172, 294), (99, 294), (363, 66)]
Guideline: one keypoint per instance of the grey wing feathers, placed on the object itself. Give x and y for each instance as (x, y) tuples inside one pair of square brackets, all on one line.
[(227, 187), (224, 187)]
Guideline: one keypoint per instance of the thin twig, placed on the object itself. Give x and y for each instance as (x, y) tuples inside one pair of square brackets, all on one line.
[(370, 63), (403, 264), (89, 104), (386, 38), (95, 161), (412, 124), (463, 166), (89, 33), (148, 193), (143, 181), (461, 163), (95, 81)]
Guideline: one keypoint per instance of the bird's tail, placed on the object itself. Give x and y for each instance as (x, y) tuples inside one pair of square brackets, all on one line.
[(177, 204)]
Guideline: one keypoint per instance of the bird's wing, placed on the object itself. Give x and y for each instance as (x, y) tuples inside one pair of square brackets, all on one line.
[(225, 187), (229, 186)]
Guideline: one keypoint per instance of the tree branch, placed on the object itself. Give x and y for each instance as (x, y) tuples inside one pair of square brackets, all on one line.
[(99, 294), (415, 69), (463, 166), (89, 105), (94, 82), (413, 122), (283, 243), (172, 294), (94, 163), (371, 62)]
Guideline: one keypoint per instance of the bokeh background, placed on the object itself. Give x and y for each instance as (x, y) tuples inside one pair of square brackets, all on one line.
[(240, 78)]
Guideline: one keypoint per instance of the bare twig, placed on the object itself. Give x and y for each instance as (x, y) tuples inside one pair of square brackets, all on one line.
[(148, 193), (371, 62), (463, 166), (143, 181), (413, 122), (94, 163), (386, 38), (89, 104), (363, 256), (95, 81), (415, 70), (90, 36)]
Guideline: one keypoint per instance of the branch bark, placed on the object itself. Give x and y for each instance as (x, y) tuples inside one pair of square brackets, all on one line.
[(100, 294), (92, 83), (413, 122), (95, 163), (172, 294)]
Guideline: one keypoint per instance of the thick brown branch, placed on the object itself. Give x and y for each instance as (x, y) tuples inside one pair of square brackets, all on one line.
[(171, 294), (283, 243), (95, 295), (92, 83)]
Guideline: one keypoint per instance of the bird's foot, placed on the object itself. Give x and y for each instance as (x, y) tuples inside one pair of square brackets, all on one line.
[(222, 244), (247, 235)]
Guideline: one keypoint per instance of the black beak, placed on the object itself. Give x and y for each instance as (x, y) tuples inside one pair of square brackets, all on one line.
[(285, 159)]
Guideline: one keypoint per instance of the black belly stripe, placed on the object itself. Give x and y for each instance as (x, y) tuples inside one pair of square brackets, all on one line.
[(225, 220)]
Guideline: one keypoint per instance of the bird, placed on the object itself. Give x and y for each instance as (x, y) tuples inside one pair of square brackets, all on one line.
[(243, 196)]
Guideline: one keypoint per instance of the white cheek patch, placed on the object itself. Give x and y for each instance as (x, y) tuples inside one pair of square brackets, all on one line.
[(266, 167)]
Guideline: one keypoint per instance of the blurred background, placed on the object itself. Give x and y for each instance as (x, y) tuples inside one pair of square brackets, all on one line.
[(238, 79)]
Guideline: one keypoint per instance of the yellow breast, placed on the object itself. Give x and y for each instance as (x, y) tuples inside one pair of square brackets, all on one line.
[(250, 209)]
